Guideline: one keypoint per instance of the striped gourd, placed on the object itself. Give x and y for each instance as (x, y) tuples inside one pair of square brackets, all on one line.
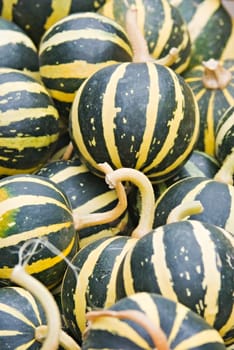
[(33, 207), (20, 316), (29, 126), (224, 135), (37, 17), (137, 115), (216, 197), (189, 262), (161, 24), (74, 48), (213, 86), (17, 50), (87, 194), (183, 329), (211, 29), (92, 284)]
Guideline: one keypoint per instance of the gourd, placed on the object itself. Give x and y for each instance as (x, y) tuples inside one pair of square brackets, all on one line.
[(29, 127), (74, 48), (17, 50), (212, 85), (149, 321), (160, 23), (135, 115), (37, 17)]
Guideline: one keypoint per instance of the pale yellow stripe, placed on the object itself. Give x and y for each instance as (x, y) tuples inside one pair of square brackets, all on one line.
[(26, 346), (14, 37), (7, 9), (204, 12), (148, 306), (59, 10), (192, 194), (16, 115), (228, 325), (151, 115), (181, 314), (200, 339), (13, 171), (228, 95), (230, 221), (9, 333), (228, 52), (21, 86), (161, 270), (96, 203), (68, 172), (209, 131), (223, 129), (16, 314), (62, 96), (128, 279), (25, 294), (20, 143)]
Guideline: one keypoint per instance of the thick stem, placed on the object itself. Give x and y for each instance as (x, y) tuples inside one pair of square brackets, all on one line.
[(68, 151), (226, 172), (108, 216), (215, 76), (181, 211), (67, 342), (34, 286), (145, 187), (157, 335)]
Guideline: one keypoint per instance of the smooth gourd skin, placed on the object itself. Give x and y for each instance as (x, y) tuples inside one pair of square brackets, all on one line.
[(183, 328), (34, 207), (138, 115), (188, 261)]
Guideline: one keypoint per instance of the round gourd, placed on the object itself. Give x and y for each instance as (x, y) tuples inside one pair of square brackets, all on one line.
[(160, 23), (182, 328), (213, 86), (87, 194), (74, 48), (188, 262), (33, 207), (37, 17), (137, 115), (29, 123), (17, 50)]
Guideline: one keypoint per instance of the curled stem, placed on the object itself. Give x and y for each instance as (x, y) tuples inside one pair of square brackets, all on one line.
[(34, 286), (226, 172), (215, 76), (183, 210), (157, 335), (145, 187), (108, 216)]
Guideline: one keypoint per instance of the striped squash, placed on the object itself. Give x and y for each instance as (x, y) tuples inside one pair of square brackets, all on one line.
[(211, 29), (37, 17), (183, 328), (213, 86), (137, 115), (20, 316), (29, 123), (224, 135), (188, 262), (161, 24), (87, 194), (34, 207), (92, 284), (17, 50), (74, 48)]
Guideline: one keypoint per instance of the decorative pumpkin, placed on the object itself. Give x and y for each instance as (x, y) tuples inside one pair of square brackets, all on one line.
[(35, 207), (213, 86), (37, 17), (136, 115), (160, 23), (74, 48), (211, 29), (149, 321), (17, 50), (29, 123)]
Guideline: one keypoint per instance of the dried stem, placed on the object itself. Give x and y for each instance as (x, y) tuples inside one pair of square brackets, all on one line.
[(157, 335), (215, 76), (226, 172), (183, 210)]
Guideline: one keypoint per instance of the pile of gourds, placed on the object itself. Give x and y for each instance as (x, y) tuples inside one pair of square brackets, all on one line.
[(116, 175)]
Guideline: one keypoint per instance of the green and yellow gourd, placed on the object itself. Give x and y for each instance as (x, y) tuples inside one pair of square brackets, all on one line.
[(161, 25), (37, 17), (211, 29), (149, 321), (74, 48), (138, 115), (29, 123), (33, 207), (17, 50), (212, 83)]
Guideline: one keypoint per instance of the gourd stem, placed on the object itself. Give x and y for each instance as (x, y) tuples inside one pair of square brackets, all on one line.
[(226, 172), (157, 335), (183, 210), (139, 43), (147, 196), (65, 341), (68, 151), (89, 220), (34, 286), (215, 76)]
